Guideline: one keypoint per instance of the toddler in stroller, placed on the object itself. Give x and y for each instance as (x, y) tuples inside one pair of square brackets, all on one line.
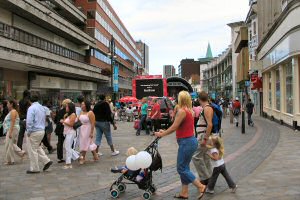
[(142, 177)]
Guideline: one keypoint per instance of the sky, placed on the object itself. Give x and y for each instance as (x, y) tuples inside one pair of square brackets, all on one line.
[(179, 29)]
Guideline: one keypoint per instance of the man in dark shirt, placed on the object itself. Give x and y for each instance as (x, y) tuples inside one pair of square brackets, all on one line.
[(250, 109), (24, 104), (104, 118)]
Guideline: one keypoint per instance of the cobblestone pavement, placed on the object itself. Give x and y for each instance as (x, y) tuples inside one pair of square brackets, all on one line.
[(244, 153)]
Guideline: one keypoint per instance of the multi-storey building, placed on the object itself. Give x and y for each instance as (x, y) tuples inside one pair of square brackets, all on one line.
[(168, 71), (278, 51), (103, 24), (217, 77), (144, 49), (187, 68), (43, 47)]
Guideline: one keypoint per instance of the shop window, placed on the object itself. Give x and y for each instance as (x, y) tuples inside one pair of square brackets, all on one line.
[(278, 89), (270, 90), (289, 87)]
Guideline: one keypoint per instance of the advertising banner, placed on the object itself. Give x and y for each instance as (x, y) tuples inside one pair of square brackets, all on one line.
[(116, 78), (149, 87)]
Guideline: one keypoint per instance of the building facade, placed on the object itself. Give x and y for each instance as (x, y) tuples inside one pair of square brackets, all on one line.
[(217, 77), (168, 71), (187, 68), (144, 49), (44, 47), (279, 52), (104, 25)]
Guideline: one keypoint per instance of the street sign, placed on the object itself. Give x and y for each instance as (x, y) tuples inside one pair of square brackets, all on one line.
[(116, 78)]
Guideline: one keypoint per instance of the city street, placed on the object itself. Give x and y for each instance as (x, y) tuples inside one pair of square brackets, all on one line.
[(250, 162)]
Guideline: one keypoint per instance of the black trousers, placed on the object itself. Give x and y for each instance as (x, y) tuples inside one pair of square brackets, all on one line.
[(21, 133), (216, 172), (60, 146), (156, 124), (46, 143)]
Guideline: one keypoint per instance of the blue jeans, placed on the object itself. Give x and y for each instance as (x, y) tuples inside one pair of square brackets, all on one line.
[(103, 127), (186, 150), (143, 122)]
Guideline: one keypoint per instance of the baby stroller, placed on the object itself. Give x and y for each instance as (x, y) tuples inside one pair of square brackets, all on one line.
[(146, 184)]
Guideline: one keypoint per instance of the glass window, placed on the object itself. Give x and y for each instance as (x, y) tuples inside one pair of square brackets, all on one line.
[(270, 90), (289, 87), (91, 14), (277, 89)]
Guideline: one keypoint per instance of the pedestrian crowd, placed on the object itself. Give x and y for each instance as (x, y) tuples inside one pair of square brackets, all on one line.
[(79, 127)]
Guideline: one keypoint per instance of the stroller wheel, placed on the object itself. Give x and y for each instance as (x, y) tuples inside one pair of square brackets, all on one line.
[(152, 189), (114, 193), (122, 187), (147, 195)]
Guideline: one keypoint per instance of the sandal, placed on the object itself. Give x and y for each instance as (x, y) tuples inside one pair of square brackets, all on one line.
[(202, 193), (179, 196)]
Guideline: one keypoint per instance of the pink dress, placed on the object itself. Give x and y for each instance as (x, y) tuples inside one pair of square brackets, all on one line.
[(85, 132)]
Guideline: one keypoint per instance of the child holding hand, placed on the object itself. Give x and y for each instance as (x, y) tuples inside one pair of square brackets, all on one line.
[(216, 154)]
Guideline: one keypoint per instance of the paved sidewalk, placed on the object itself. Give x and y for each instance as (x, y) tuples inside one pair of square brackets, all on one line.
[(278, 177)]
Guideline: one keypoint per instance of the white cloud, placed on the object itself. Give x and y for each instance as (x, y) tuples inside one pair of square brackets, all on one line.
[(177, 29)]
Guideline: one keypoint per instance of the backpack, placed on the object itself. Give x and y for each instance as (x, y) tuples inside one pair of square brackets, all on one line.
[(236, 112), (217, 117)]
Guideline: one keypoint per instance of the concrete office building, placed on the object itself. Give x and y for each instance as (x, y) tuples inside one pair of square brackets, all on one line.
[(103, 24), (43, 47), (168, 71), (279, 52), (144, 49)]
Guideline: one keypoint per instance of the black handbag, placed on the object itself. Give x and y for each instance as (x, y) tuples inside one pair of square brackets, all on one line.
[(77, 125)]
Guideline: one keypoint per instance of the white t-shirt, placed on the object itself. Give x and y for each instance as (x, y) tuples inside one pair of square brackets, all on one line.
[(216, 163)]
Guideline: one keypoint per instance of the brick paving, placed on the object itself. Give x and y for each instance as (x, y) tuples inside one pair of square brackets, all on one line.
[(92, 180)]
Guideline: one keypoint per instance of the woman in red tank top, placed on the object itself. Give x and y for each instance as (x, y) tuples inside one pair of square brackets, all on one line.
[(184, 127)]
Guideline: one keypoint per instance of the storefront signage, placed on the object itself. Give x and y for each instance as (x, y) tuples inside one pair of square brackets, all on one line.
[(49, 82), (285, 48), (116, 78)]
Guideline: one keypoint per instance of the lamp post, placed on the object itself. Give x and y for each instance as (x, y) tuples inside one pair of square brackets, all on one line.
[(112, 55)]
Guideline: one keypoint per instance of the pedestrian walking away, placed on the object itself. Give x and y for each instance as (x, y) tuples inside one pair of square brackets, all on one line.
[(184, 127), (250, 110), (87, 118), (103, 116), (11, 130), (35, 128), (24, 104), (200, 159), (236, 111), (144, 115), (59, 131), (70, 134), (216, 154)]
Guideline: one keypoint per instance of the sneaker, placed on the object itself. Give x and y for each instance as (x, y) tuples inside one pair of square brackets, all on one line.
[(100, 154), (210, 191), (47, 165), (233, 190), (115, 153), (67, 167)]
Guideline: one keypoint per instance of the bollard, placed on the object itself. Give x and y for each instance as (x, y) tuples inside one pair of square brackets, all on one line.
[(243, 122)]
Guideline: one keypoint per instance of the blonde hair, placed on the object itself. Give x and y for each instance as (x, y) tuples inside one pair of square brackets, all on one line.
[(65, 102), (219, 144), (131, 151), (185, 100)]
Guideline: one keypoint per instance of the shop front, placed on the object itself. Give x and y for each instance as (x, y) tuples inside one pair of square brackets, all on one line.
[(56, 89), (12, 83), (281, 83)]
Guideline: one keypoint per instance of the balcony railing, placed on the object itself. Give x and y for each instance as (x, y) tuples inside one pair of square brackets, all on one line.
[(21, 36)]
